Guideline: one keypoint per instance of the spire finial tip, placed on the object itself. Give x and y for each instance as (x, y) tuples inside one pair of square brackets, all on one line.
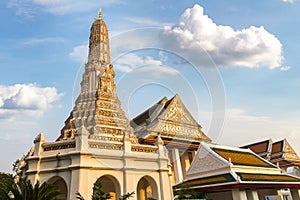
[(100, 13)]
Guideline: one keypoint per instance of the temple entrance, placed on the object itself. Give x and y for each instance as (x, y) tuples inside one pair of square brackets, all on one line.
[(61, 185), (146, 189), (110, 185)]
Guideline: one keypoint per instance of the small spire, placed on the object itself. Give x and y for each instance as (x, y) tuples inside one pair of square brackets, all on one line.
[(100, 13)]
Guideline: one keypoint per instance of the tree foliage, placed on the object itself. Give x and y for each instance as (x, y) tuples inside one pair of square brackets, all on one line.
[(24, 190), (5, 179), (126, 196), (99, 194), (186, 193)]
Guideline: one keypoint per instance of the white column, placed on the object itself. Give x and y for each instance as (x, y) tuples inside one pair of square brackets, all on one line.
[(295, 194), (239, 194), (177, 166), (183, 165), (252, 195), (280, 195)]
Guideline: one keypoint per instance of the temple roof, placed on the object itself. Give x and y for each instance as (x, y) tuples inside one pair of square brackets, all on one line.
[(216, 166), (218, 179), (240, 180), (264, 178), (280, 152), (262, 148), (212, 158), (171, 120), (241, 157), (150, 114)]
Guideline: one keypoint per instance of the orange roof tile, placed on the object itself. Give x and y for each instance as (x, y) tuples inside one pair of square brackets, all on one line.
[(242, 158)]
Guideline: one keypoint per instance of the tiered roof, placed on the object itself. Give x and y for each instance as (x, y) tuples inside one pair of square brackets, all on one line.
[(98, 108), (172, 121), (220, 167), (280, 152), (262, 148), (239, 157)]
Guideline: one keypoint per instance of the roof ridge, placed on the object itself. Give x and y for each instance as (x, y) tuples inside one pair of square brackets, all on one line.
[(256, 143)]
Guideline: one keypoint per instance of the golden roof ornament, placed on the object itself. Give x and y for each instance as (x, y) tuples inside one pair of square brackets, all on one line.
[(100, 16)]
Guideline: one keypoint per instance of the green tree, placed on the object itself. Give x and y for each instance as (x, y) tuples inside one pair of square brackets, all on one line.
[(126, 196), (5, 179), (187, 193), (24, 190), (98, 193)]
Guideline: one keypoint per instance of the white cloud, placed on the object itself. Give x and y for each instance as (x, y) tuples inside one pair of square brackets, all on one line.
[(79, 53), (27, 99), (196, 34), (130, 61), (289, 1), (285, 68), (28, 8), (159, 71), (43, 40), (198, 40), (146, 21), (23, 8), (241, 115)]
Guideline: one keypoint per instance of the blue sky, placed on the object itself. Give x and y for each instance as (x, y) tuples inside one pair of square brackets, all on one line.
[(233, 63)]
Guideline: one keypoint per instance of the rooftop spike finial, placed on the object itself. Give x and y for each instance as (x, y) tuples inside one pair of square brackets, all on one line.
[(100, 13)]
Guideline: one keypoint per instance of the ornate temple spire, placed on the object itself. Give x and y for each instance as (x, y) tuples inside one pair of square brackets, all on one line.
[(98, 108), (99, 41)]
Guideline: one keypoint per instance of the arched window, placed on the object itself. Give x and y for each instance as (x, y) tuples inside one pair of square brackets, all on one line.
[(61, 185), (110, 185), (147, 188)]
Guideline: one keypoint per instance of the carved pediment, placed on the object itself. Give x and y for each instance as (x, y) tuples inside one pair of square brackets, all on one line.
[(177, 122), (177, 112), (206, 161), (289, 152), (171, 119)]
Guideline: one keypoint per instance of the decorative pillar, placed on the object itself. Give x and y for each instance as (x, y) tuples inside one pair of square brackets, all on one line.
[(79, 177), (295, 194), (164, 180), (126, 143), (183, 165), (81, 138), (239, 194), (34, 164), (127, 177), (280, 195), (252, 195), (177, 166), (38, 141)]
